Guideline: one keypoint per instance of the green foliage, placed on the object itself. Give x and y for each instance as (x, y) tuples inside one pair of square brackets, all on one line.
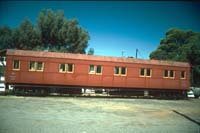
[(6, 39), (25, 36), (91, 51), (61, 34), (7, 92), (2, 70), (179, 45), (53, 32)]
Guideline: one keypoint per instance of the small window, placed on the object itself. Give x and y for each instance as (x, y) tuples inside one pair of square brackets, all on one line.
[(70, 68), (62, 68), (123, 70), (40, 66), (95, 69), (171, 74), (91, 69), (142, 72), (145, 72), (116, 70), (32, 66), (183, 74), (16, 65), (148, 72), (99, 69), (166, 73)]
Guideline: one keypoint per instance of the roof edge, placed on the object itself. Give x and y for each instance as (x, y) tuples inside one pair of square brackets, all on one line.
[(94, 57)]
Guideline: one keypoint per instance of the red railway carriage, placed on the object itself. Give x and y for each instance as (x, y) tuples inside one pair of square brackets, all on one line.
[(64, 70)]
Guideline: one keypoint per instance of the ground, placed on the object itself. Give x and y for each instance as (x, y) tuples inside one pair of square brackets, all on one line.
[(97, 115)]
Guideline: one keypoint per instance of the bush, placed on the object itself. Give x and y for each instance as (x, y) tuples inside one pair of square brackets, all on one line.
[(8, 92)]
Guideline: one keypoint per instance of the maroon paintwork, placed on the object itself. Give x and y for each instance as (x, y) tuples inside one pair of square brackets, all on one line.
[(81, 77)]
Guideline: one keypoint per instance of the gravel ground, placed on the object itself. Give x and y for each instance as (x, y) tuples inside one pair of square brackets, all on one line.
[(97, 115)]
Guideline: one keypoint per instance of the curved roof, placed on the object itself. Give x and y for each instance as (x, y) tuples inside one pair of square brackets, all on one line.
[(93, 58)]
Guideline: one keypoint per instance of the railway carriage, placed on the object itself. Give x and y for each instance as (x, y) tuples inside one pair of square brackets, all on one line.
[(48, 72)]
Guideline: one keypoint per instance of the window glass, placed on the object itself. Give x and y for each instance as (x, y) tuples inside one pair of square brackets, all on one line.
[(142, 72), (32, 65), (16, 64), (91, 69), (166, 73), (182, 74), (171, 73), (70, 67), (148, 72), (99, 69), (123, 70), (116, 70), (40, 66), (62, 68)]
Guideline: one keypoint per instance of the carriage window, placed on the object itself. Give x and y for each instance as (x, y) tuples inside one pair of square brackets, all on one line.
[(120, 71), (183, 74), (16, 65), (166, 73), (70, 68), (31, 65), (145, 72), (40, 66), (142, 73), (98, 69), (91, 69), (171, 74), (148, 72), (62, 68), (116, 70), (123, 70)]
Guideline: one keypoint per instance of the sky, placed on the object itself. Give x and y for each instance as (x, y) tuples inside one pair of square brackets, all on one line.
[(113, 26)]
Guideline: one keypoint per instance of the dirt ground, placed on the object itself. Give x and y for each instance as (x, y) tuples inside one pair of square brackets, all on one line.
[(98, 115)]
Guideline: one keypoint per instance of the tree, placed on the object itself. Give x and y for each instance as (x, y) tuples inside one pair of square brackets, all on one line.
[(6, 40), (180, 45), (91, 51), (52, 31), (61, 34), (26, 36)]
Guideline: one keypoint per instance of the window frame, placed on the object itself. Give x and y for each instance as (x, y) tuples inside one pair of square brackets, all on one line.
[(184, 75), (60, 70), (166, 72), (121, 71), (37, 66), (34, 66), (145, 72), (149, 71), (13, 65), (101, 70), (91, 72), (67, 68), (95, 69), (141, 71), (169, 73)]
